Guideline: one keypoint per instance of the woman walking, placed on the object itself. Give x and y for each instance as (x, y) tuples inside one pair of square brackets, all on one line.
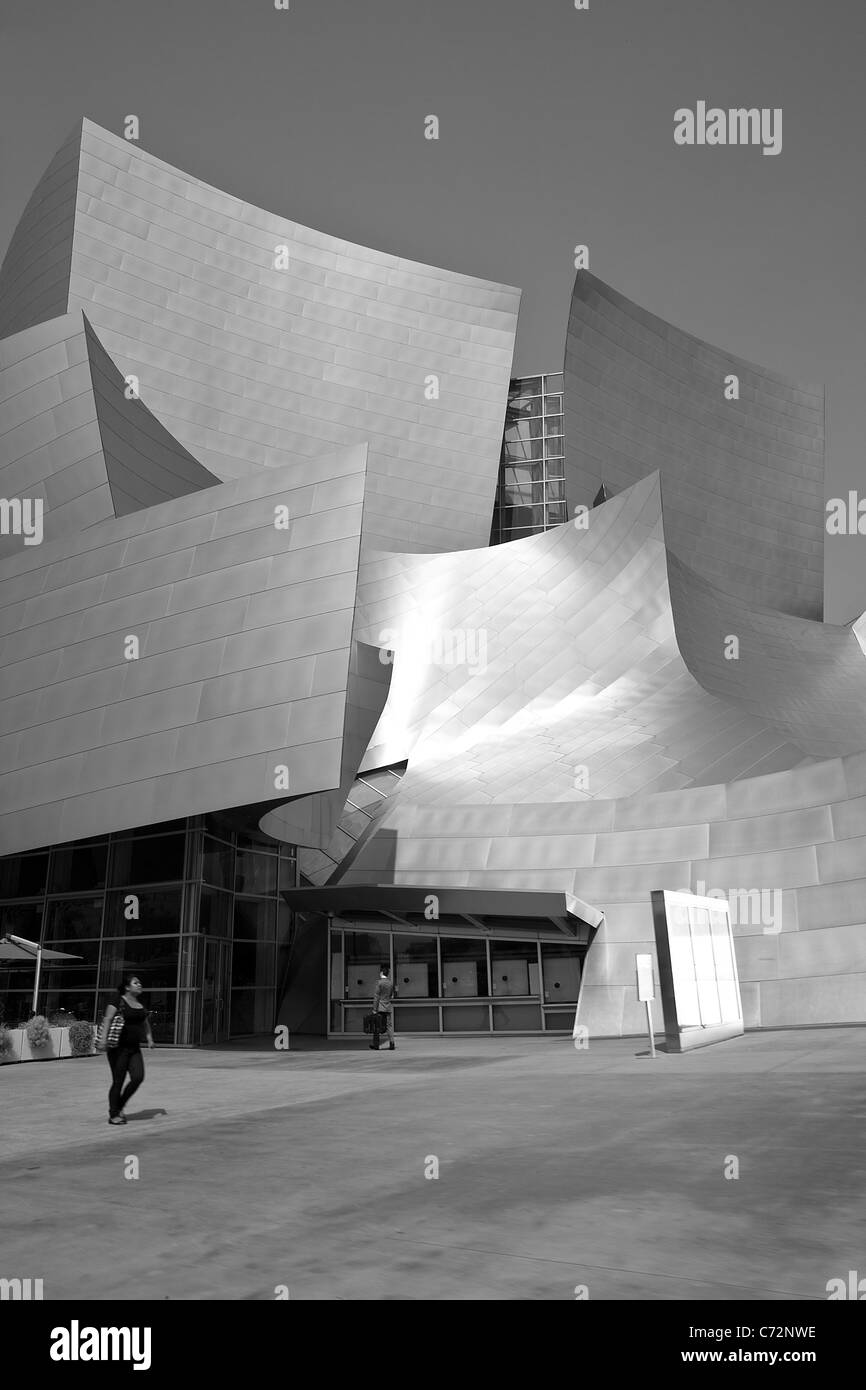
[(124, 1048)]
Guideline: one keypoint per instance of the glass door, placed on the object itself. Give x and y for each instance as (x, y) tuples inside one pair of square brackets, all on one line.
[(215, 992)]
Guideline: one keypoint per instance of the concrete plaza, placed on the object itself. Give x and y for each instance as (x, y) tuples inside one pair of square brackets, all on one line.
[(557, 1168)]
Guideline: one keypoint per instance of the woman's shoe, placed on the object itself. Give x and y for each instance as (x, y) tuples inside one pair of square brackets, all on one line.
[(116, 1120)]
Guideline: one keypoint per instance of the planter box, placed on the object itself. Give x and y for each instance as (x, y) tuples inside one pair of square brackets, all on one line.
[(56, 1049), (29, 1053), (16, 1034)]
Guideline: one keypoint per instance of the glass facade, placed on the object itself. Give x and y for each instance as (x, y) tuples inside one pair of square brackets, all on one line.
[(448, 981), (191, 907), (531, 492)]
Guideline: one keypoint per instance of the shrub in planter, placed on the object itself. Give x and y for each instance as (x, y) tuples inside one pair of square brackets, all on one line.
[(81, 1038), (38, 1031), (7, 1044)]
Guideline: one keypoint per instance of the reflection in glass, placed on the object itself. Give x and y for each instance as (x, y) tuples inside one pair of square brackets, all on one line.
[(560, 969), (158, 859), (255, 873), (252, 1011), (253, 963), (23, 875), (153, 960), (365, 953), (150, 911), (255, 919), (75, 917), (514, 968), (76, 869), (464, 967), (416, 969), (215, 912), (217, 863)]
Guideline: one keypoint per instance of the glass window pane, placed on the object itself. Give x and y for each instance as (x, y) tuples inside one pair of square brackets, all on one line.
[(523, 516), (155, 860), (560, 969), (525, 386), (556, 513), (288, 873), (259, 842), (464, 967), (154, 961), (514, 968), (217, 863), (76, 917), (67, 975), (255, 873), (553, 382), (366, 952), (75, 869), (78, 1003), (530, 428), (553, 405), (255, 919), (555, 489), (522, 451), (252, 1011), (88, 951), (416, 971), (215, 913), (253, 963), (553, 425), (524, 407), (23, 875), (158, 909), (23, 919)]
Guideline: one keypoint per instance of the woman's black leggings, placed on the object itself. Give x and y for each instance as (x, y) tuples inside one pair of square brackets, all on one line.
[(123, 1060)]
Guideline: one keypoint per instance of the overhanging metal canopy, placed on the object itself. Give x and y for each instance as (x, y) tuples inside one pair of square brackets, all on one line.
[(484, 909)]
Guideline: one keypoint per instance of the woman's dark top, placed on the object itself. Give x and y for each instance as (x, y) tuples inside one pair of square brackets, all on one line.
[(134, 1026)]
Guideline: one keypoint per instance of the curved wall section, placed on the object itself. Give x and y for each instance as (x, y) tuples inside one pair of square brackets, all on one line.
[(743, 480), (598, 656), (249, 365), (244, 634), (34, 276), (788, 850)]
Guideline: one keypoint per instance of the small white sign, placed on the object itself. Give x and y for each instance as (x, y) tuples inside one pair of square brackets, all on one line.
[(645, 986)]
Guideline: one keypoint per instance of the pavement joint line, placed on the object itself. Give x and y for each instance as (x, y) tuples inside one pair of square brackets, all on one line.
[(609, 1269)]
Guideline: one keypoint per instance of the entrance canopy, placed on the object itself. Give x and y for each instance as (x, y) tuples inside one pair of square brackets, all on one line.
[(417, 907)]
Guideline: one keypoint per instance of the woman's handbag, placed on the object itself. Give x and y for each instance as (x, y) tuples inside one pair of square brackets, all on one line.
[(115, 1028), (370, 1023)]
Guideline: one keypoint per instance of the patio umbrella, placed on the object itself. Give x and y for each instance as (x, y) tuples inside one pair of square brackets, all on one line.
[(18, 948)]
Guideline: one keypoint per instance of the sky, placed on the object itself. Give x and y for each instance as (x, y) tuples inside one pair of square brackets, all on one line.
[(555, 129)]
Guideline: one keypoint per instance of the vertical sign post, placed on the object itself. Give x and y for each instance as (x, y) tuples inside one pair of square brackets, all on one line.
[(646, 992)]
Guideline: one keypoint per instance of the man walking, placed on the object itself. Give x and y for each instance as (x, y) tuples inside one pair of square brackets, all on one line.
[(382, 1004)]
